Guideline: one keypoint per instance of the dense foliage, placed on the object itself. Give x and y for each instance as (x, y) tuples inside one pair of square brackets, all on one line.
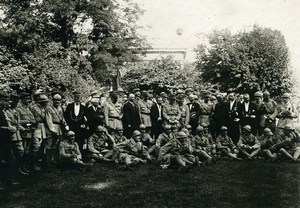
[(164, 74), (62, 44), (247, 61)]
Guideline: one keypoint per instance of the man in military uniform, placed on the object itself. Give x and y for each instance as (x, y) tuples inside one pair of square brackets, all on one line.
[(113, 114), (202, 148), (286, 113), (171, 112), (206, 109), (164, 137), (268, 144), (28, 122), (248, 144), (225, 145), (55, 127), (132, 151), (270, 112), (184, 111), (289, 147), (259, 113), (38, 110), (16, 139), (100, 144), (118, 135), (145, 107)]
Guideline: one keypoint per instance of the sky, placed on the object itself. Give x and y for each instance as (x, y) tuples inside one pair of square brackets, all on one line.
[(163, 20)]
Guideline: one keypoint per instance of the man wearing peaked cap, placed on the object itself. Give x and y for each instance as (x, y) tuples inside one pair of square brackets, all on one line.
[(145, 107), (270, 112), (286, 113), (249, 144), (171, 112), (164, 96), (184, 111), (259, 113)]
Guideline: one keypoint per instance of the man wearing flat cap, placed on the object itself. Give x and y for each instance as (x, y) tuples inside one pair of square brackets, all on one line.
[(75, 116)]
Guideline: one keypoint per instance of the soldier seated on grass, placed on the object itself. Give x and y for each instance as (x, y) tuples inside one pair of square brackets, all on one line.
[(248, 144), (290, 143), (69, 152), (132, 152), (225, 145), (100, 145), (178, 153), (202, 147), (147, 140), (268, 144)]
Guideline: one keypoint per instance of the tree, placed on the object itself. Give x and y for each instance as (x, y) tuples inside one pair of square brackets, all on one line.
[(247, 61), (164, 74), (62, 44)]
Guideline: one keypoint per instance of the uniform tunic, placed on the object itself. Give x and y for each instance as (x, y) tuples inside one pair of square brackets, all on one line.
[(206, 110), (171, 113), (184, 114), (27, 121), (66, 150), (145, 107), (113, 115), (40, 116)]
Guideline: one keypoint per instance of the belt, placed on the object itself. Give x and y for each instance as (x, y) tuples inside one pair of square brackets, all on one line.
[(145, 113), (171, 114), (115, 117)]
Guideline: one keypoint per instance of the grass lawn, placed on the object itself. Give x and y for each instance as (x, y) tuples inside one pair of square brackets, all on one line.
[(225, 184)]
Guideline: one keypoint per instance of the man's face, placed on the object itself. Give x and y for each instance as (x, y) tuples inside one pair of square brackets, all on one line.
[(224, 132), (231, 97), (120, 132), (266, 97), (137, 94), (137, 138), (131, 97), (257, 99), (241, 98), (56, 102), (26, 100), (168, 131), (72, 138), (77, 98), (285, 99), (13, 103), (159, 100), (246, 98), (143, 130), (100, 133)]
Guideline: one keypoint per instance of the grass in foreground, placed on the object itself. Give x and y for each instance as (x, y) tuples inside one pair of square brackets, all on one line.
[(225, 184)]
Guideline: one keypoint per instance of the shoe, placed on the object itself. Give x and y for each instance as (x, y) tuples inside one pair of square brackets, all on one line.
[(20, 171)]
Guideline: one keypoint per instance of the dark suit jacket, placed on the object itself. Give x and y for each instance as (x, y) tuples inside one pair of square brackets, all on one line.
[(74, 122), (131, 115), (194, 113), (94, 118)]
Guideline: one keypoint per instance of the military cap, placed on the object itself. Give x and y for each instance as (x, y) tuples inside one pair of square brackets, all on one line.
[(188, 126), (24, 95), (167, 127), (185, 130), (179, 92), (181, 135), (142, 126), (56, 97), (266, 93), (144, 93), (285, 95), (247, 127), (38, 92), (164, 95), (100, 129), (14, 97), (70, 133), (42, 99), (258, 94), (288, 127), (76, 92), (199, 128), (119, 128), (136, 133), (224, 128), (94, 93), (4, 96), (120, 89), (213, 97), (180, 97), (268, 131), (189, 90), (135, 90), (204, 125)]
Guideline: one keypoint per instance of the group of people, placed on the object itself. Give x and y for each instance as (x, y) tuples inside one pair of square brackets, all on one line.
[(180, 129)]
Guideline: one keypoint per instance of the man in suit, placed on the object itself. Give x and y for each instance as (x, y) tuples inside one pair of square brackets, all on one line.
[(220, 115), (131, 116), (194, 108), (247, 113), (95, 115), (233, 120), (156, 117), (75, 116)]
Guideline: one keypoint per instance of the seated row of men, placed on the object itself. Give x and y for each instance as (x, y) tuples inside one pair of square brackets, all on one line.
[(180, 149)]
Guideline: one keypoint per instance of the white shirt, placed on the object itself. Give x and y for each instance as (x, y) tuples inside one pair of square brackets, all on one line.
[(159, 110), (76, 109), (231, 104), (246, 107)]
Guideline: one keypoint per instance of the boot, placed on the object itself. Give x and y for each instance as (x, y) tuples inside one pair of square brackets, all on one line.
[(35, 166), (24, 162)]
